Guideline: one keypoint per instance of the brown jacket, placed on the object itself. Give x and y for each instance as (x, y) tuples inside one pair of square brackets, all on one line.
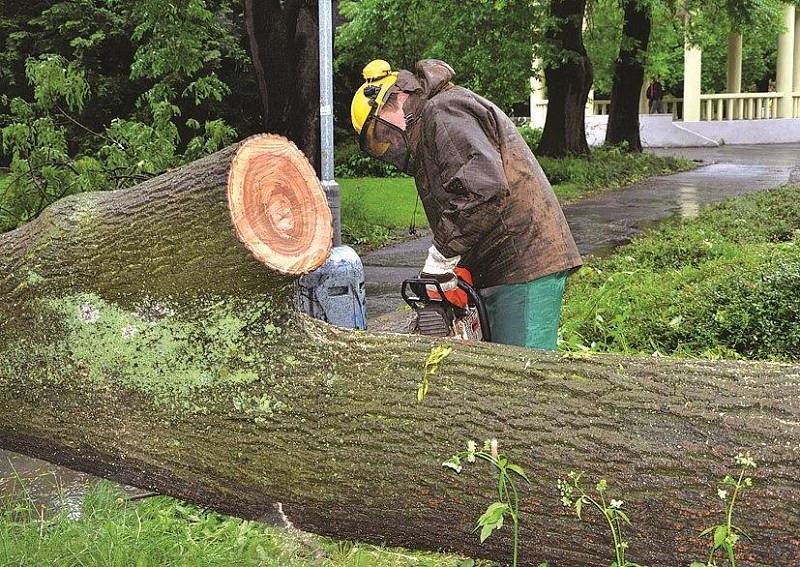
[(485, 195)]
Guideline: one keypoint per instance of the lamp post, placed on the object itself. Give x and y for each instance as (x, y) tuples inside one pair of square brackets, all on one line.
[(336, 292), (326, 115)]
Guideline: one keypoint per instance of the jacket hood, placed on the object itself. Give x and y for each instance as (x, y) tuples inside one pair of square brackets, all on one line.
[(430, 77)]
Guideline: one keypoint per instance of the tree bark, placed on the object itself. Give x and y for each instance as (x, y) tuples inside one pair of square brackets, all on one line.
[(623, 119), (140, 341), (568, 76), (284, 47)]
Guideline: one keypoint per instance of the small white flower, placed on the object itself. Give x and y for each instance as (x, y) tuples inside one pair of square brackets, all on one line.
[(471, 448), (88, 313), (129, 332), (723, 494), (616, 504), (494, 448)]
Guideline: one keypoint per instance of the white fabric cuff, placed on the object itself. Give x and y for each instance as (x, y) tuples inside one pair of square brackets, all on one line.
[(438, 264)]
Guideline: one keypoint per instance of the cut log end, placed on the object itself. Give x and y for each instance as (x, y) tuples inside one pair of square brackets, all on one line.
[(278, 206)]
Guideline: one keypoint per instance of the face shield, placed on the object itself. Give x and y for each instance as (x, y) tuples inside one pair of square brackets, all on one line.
[(385, 141)]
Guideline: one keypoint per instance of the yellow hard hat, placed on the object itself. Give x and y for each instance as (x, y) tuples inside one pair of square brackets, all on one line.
[(372, 94)]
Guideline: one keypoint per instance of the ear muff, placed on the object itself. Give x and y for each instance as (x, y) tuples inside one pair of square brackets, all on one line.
[(372, 94)]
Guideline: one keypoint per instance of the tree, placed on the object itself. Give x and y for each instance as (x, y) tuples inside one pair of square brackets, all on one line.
[(568, 76), (284, 46), (139, 340), (488, 43), (623, 119)]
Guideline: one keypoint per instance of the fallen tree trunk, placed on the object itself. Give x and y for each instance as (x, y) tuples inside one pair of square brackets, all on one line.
[(140, 341)]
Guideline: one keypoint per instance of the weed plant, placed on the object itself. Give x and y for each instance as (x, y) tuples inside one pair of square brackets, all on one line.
[(573, 495), (726, 536), (507, 503)]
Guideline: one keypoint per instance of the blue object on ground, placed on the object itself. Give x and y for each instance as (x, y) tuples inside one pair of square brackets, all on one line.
[(336, 293)]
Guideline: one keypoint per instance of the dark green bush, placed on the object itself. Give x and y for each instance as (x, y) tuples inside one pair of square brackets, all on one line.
[(352, 162)]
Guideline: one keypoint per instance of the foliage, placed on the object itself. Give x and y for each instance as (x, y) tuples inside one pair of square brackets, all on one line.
[(727, 536), (573, 495), (432, 365), (493, 59), (43, 167), (724, 284), (532, 136), (108, 529), (104, 94), (507, 504), (352, 162), (710, 26)]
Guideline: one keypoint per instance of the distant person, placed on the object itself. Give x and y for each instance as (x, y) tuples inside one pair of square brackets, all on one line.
[(655, 94)]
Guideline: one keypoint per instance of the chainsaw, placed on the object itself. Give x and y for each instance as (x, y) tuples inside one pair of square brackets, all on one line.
[(435, 316)]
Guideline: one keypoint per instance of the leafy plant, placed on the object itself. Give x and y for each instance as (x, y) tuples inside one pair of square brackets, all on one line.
[(432, 363), (726, 284), (574, 496), (507, 504), (726, 536)]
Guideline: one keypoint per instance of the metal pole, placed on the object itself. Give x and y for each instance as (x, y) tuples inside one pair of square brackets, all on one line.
[(326, 115)]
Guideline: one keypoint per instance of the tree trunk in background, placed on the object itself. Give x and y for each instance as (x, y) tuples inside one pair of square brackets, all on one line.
[(140, 341), (284, 48), (623, 119), (568, 82)]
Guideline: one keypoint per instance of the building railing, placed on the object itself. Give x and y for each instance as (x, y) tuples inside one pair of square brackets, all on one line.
[(713, 107), (796, 104), (739, 106)]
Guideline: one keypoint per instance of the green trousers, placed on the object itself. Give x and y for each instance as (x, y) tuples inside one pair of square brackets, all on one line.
[(526, 314)]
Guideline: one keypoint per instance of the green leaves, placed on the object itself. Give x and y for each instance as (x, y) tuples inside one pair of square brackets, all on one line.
[(507, 504), (55, 80), (573, 495), (492, 519), (432, 363)]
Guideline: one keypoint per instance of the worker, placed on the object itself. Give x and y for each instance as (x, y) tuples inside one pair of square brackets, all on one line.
[(487, 200)]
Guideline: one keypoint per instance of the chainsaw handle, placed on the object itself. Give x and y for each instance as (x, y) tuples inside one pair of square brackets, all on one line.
[(419, 289), (477, 301)]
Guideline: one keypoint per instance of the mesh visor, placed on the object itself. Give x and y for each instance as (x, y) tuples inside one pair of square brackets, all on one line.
[(385, 141)]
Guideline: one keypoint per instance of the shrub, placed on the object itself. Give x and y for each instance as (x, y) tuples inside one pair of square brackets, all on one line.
[(724, 284), (352, 162)]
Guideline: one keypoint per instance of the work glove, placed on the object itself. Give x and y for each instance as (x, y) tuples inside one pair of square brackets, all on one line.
[(442, 269)]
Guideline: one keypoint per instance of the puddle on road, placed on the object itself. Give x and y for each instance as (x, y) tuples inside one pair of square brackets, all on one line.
[(49, 487)]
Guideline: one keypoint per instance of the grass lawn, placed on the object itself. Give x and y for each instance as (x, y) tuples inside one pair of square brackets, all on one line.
[(376, 210), (114, 532)]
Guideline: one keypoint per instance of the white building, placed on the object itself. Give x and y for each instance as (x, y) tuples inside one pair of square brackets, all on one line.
[(700, 119)]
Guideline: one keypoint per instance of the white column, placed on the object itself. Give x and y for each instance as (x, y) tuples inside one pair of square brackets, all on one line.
[(785, 75), (644, 104), (734, 62), (692, 74), (796, 81), (538, 109)]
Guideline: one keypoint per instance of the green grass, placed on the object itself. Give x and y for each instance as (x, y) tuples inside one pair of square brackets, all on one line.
[(112, 531), (378, 210), (726, 284)]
